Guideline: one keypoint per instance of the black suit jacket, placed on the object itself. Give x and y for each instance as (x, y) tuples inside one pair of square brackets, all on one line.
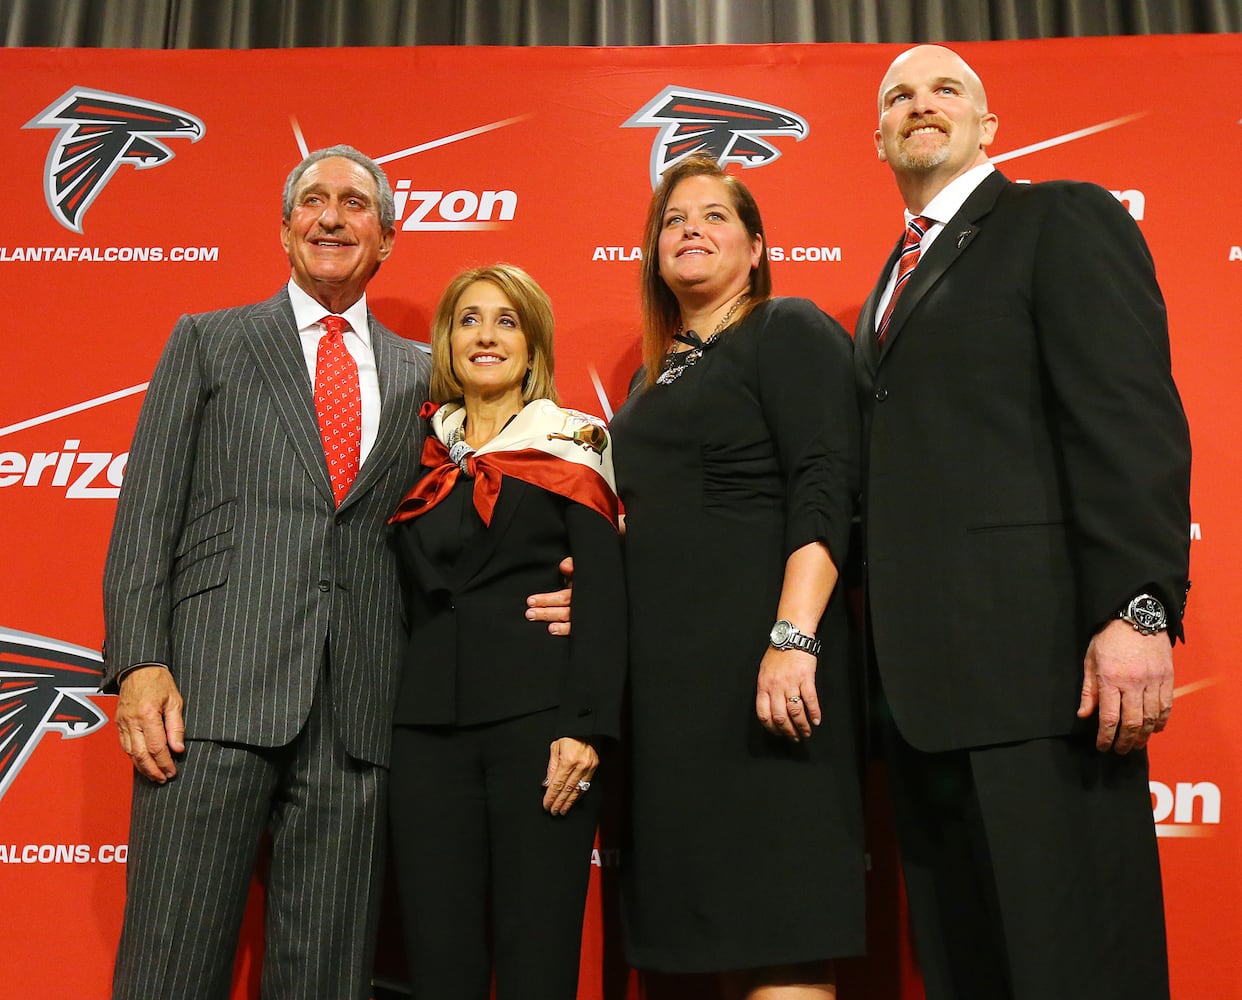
[(473, 657), (1026, 462)]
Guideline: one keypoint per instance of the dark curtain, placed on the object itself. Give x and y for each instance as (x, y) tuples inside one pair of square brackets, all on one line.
[(244, 24)]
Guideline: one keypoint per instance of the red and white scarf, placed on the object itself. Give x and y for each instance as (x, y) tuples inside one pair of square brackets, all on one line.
[(560, 450)]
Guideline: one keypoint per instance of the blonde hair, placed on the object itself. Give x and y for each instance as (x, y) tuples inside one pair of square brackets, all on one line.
[(534, 312)]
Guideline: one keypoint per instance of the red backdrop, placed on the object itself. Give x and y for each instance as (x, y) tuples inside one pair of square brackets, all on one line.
[(524, 155)]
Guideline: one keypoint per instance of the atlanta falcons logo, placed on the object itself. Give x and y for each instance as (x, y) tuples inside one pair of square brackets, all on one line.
[(98, 132), (729, 128), (43, 684)]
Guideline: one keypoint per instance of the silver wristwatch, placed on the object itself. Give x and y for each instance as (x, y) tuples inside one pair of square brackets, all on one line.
[(785, 635), (1145, 614)]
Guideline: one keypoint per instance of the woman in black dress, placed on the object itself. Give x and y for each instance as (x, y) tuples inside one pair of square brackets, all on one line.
[(497, 722), (737, 466)]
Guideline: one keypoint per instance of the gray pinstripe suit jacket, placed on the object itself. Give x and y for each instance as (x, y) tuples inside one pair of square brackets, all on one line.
[(229, 561)]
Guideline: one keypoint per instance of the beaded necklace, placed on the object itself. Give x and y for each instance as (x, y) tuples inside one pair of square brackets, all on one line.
[(676, 362)]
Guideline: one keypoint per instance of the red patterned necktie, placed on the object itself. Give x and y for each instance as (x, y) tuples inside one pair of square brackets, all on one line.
[(916, 229), (338, 404)]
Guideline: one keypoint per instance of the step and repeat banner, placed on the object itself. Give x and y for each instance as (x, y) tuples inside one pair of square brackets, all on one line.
[(142, 185)]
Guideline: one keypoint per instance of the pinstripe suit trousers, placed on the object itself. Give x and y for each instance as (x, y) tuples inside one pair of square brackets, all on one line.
[(320, 806)]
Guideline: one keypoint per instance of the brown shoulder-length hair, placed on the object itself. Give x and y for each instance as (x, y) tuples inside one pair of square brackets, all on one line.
[(534, 312), (660, 310)]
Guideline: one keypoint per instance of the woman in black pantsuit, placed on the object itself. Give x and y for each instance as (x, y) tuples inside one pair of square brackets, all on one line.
[(498, 723)]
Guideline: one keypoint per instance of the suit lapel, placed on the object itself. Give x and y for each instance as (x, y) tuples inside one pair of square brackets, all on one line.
[(272, 335), (426, 571), (477, 554), (958, 233), (478, 551), (864, 332), (397, 371)]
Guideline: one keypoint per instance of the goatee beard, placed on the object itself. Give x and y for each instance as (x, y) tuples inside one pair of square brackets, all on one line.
[(908, 160)]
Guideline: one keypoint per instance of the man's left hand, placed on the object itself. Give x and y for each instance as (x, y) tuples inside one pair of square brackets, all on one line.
[(1128, 678), (553, 608)]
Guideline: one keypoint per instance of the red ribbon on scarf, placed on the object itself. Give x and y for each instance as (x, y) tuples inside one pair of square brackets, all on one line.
[(570, 480)]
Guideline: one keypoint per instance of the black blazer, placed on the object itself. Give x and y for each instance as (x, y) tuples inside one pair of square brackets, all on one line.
[(1026, 462), (473, 657)]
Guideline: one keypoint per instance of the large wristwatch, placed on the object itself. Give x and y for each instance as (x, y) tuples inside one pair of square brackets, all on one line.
[(1146, 614), (785, 635)]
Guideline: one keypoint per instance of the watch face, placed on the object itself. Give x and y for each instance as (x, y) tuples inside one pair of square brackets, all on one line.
[(780, 633), (1148, 612)]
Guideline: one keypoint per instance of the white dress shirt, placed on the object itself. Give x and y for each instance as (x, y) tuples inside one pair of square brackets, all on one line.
[(938, 212)]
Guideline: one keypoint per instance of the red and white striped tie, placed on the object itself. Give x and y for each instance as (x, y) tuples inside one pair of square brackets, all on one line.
[(338, 405), (916, 229)]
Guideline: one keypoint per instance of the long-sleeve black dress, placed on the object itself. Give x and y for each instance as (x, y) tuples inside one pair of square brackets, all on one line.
[(745, 849)]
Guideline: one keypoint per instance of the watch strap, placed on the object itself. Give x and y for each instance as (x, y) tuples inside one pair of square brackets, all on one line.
[(793, 638)]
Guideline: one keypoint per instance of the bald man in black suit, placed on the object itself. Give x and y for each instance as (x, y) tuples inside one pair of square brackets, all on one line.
[(1026, 543)]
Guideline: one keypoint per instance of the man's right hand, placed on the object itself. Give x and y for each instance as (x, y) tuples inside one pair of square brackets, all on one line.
[(148, 715), (554, 608)]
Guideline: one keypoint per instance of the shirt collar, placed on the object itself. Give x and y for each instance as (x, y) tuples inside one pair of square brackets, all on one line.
[(308, 313), (953, 195)]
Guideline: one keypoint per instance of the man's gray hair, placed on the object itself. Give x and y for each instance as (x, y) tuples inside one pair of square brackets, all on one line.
[(387, 209)]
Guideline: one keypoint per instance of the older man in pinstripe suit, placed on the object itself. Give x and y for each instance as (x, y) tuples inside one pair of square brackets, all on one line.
[(253, 621)]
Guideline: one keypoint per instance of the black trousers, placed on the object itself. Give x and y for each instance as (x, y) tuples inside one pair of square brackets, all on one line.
[(474, 852), (1031, 871)]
